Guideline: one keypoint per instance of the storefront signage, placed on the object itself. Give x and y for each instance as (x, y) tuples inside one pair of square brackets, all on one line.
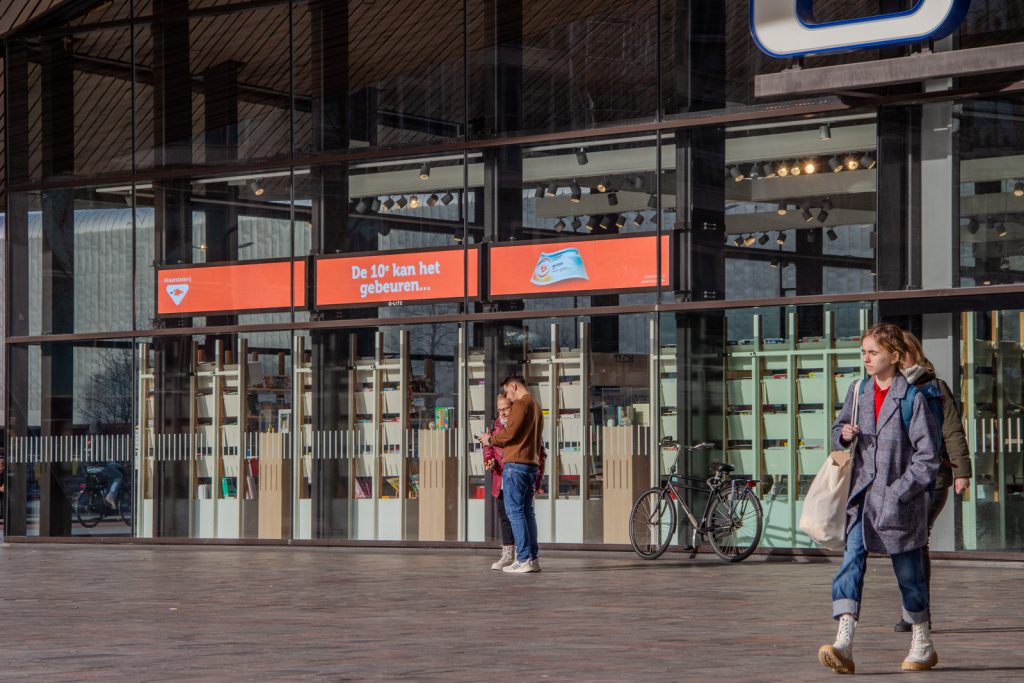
[(786, 28), (594, 265), (201, 289), (397, 277)]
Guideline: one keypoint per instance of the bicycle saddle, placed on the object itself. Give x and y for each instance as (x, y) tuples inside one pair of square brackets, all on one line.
[(723, 467)]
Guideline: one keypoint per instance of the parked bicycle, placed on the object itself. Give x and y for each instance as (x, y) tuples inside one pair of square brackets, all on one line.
[(732, 521), (91, 508)]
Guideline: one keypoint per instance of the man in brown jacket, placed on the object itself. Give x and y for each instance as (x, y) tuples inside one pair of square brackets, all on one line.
[(521, 445)]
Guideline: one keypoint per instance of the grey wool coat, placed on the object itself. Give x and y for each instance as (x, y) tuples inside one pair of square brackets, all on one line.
[(892, 468)]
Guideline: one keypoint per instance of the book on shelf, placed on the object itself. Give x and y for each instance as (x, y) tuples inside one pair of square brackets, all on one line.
[(228, 487), (364, 487)]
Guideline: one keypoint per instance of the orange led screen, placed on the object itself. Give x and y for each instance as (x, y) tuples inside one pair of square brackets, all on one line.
[(230, 288), (397, 277), (578, 267)]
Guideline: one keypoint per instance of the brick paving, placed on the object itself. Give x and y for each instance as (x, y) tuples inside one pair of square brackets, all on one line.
[(141, 613)]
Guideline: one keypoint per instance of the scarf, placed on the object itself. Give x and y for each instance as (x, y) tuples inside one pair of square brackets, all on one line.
[(913, 373)]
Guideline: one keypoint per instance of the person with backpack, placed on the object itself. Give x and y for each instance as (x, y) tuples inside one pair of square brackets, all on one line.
[(955, 455), (895, 461)]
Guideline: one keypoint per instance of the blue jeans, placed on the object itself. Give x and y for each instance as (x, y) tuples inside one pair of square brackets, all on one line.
[(848, 584), (517, 484)]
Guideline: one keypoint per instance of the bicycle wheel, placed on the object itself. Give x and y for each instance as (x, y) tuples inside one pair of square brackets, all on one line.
[(735, 524), (124, 505), (652, 522), (89, 508)]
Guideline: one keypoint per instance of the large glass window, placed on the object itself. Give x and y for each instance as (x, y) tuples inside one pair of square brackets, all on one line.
[(799, 201), (991, 192)]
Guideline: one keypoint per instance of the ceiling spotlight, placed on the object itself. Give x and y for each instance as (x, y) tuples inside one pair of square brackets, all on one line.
[(795, 169), (457, 236), (774, 263), (581, 157), (852, 163), (986, 281), (375, 205), (749, 240), (835, 164), (1004, 264), (805, 211), (576, 192), (388, 204), (783, 170), (972, 226), (652, 202), (402, 202), (539, 192), (867, 161), (1018, 189), (767, 170), (738, 241), (560, 225), (1000, 229), (754, 173), (432, 200), (827, 204), (639, 220), (783, 209), (832, 235), (620, 221), (576, 223), (414, 202), (591, 222), (606, 222), (736, 173), (383, 229), (763, 239), (822, 216), (613, 199), (256, 188), (825, 131), (638, 183), (810, 167), (447, 198), (781, 239), (425, 171), (552, 190), (362, 205), (602, 186)]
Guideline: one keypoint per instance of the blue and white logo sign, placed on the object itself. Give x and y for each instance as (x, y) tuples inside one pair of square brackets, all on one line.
[(786, 28)]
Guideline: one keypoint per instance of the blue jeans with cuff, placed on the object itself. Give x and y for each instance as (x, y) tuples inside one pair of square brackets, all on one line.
[(517, 485), (848, 584)]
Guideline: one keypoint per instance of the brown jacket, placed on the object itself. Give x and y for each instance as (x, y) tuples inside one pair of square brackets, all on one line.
[(520, 442), (956, 455)]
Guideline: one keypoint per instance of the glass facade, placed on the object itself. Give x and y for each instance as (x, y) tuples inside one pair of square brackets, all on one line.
[(267, 264)]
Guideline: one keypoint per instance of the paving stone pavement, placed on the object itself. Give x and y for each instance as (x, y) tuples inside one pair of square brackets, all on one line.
[(147, 613)]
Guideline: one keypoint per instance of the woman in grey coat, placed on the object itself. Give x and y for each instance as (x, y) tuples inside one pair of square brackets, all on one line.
[(894, 470)]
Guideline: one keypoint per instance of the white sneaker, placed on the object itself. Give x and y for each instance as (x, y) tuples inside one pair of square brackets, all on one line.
[(839, 655), (109, 500), (518, 567), (922, 654), (535, 565), (508, 556)]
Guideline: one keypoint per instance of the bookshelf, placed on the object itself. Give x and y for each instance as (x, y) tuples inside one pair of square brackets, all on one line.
[(558, 378), (782, 396), (991, 358)]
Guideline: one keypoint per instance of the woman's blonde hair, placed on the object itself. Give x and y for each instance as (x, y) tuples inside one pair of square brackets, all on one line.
[(915, 353), (889, 336), (501, 397)]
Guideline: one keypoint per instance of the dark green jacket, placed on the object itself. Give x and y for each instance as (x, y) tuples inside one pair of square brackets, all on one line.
[(956, 456)]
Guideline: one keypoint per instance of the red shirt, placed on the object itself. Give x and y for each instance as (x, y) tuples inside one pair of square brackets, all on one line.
[(879, 398)]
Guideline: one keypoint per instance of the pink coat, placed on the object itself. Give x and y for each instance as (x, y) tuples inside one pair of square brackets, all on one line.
[(494, 454)]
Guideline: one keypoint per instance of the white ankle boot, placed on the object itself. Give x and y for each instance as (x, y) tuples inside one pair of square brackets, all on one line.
[(508, 556), (839, 655), (922, 654)]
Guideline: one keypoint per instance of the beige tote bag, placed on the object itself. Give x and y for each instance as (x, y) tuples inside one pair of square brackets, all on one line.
[(824, 516)]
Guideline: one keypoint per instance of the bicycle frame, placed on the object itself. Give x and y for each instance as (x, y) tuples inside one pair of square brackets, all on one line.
[(710, 486)]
